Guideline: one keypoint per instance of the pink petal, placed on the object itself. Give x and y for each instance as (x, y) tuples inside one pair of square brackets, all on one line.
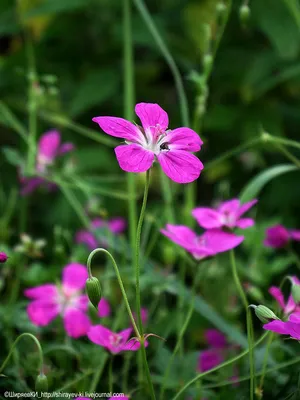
[(117, 225), (81, 302), (119, 127), (41, 312), (215, 338), (180, 234), (244, 223), (277, 326), (295, 280), (48, 147), (245, 207), (207, 217), (29, 185), (66, 148), (293, 329), (209, 359), (125, 334), (290, 305), (47, 291), (180, 166), (151, 115), (103, 308), (295, 235), (76, 323), (98, 223), (278, 296), (74, 276), (219, 241), (295, 317), (229, 207), (183, 139), (100, 335), (87, 238), (276, 236), (134, 158)]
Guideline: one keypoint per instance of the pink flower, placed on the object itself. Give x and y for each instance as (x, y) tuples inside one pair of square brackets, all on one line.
[(215, 338), (228, 214), (208, 244), (116, 225), (209, 359), (154, 141), (67, 300), (290, 327), (3, 257), (113, 342), (278, 236), (103, 308), (288, 306)]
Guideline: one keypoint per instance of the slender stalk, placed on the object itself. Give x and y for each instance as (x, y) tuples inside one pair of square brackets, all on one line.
[(217, 368), (96, 376), (265, 362), (110, 375), (129, 97), (100, 250), (249, 320), (39, 347), (148, 375), (286, 153)]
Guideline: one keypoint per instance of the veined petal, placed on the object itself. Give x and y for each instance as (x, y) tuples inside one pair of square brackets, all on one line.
[(277, 326), (183, 139), (180, 166), (119, 127), (48, 147), (244, 223), (181, 235), (134, 158), (74, 277), (207, 217), (100, 335), (151, 115), (76, 323)]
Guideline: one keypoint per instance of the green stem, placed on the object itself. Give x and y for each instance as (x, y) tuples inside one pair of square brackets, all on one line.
[(265, 362), (286, 142), (129, 97), (100, 250), (40, 351), (148, 375), (287, 154), (110, 375), (96, 376), (249, 320), (217, 368)]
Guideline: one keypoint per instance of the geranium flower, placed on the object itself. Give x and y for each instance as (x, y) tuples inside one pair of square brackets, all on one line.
[(67, 300), (115, 225), (278, 236), (228, 214), (290, 327), (154, 141), (208, 244), (113, 342), (288, 306)]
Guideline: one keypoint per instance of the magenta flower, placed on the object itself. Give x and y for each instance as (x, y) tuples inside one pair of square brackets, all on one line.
[(113, 342), (208, 244), (289, 306), (215, 338), (290, 327), (3, 257), (67, 300), (228, 215), (278, 236), (154, 141), (116, 225), (103, 308), (213, 356)]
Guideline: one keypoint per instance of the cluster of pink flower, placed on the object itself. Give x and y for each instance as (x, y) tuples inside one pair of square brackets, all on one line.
[(214, 240), (69, 301), (278, 236)]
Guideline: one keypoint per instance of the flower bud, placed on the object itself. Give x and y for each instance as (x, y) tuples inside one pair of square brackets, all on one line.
[(93, 290), (41, 383), (3, 257), (296, 292), (244, 13), (264, 313)]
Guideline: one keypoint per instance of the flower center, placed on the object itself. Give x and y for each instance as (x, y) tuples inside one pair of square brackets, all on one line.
[(115, 340)]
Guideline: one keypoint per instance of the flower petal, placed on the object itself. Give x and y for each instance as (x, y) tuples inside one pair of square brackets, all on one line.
[(207, 217), (246, 207), (87, 238), (74, 276), (183, 139), (219, 241), (180, 234), (215, 338), (295, 235), (295, 317), (152, 114), (180, 166), (48, 147), (103, 308), (41, 312), (134, 158), (100, 335), (119, 127), (47, 291), (209, 359), (76, 323), (278, 296), (117, 225), (229, 207), (66, 148), (277, 326), (244, 223), (276, 236)]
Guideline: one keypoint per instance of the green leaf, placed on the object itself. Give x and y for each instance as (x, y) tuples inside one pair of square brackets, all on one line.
[(12, 156), (56, 6), (253, 188)]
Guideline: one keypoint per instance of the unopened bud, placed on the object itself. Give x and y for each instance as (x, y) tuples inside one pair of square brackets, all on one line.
[(295, 289), (264, 313), (41, 383), (3, 257), (93, 290), (244, 13)]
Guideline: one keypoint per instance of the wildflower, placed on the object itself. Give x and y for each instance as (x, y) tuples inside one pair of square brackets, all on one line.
[(288, 306), (113, 342), (116, 226), (154, 141), (3, 257), (278, 236), (228, 215), (208, 244), (104, 308), (214, 355), (67, 300), (290, 327)]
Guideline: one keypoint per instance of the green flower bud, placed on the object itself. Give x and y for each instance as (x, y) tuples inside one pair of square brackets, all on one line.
[(244, 13), (296, 292), (41, 383), (264, 313), (93, 290)]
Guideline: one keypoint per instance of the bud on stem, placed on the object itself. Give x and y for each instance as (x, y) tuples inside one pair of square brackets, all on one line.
[(41, 383), (93, 290), (264, 313)]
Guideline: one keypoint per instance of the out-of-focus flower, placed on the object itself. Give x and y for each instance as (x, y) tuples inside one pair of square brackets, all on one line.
[(228, 215), (113, 342), (154, 141), (290, 327), (144, 315), (3, 257), (288, 306), (67, 300), (116, 225), (208, 244), (278, 236), (30, 247), (104, 308), (213, 356)]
